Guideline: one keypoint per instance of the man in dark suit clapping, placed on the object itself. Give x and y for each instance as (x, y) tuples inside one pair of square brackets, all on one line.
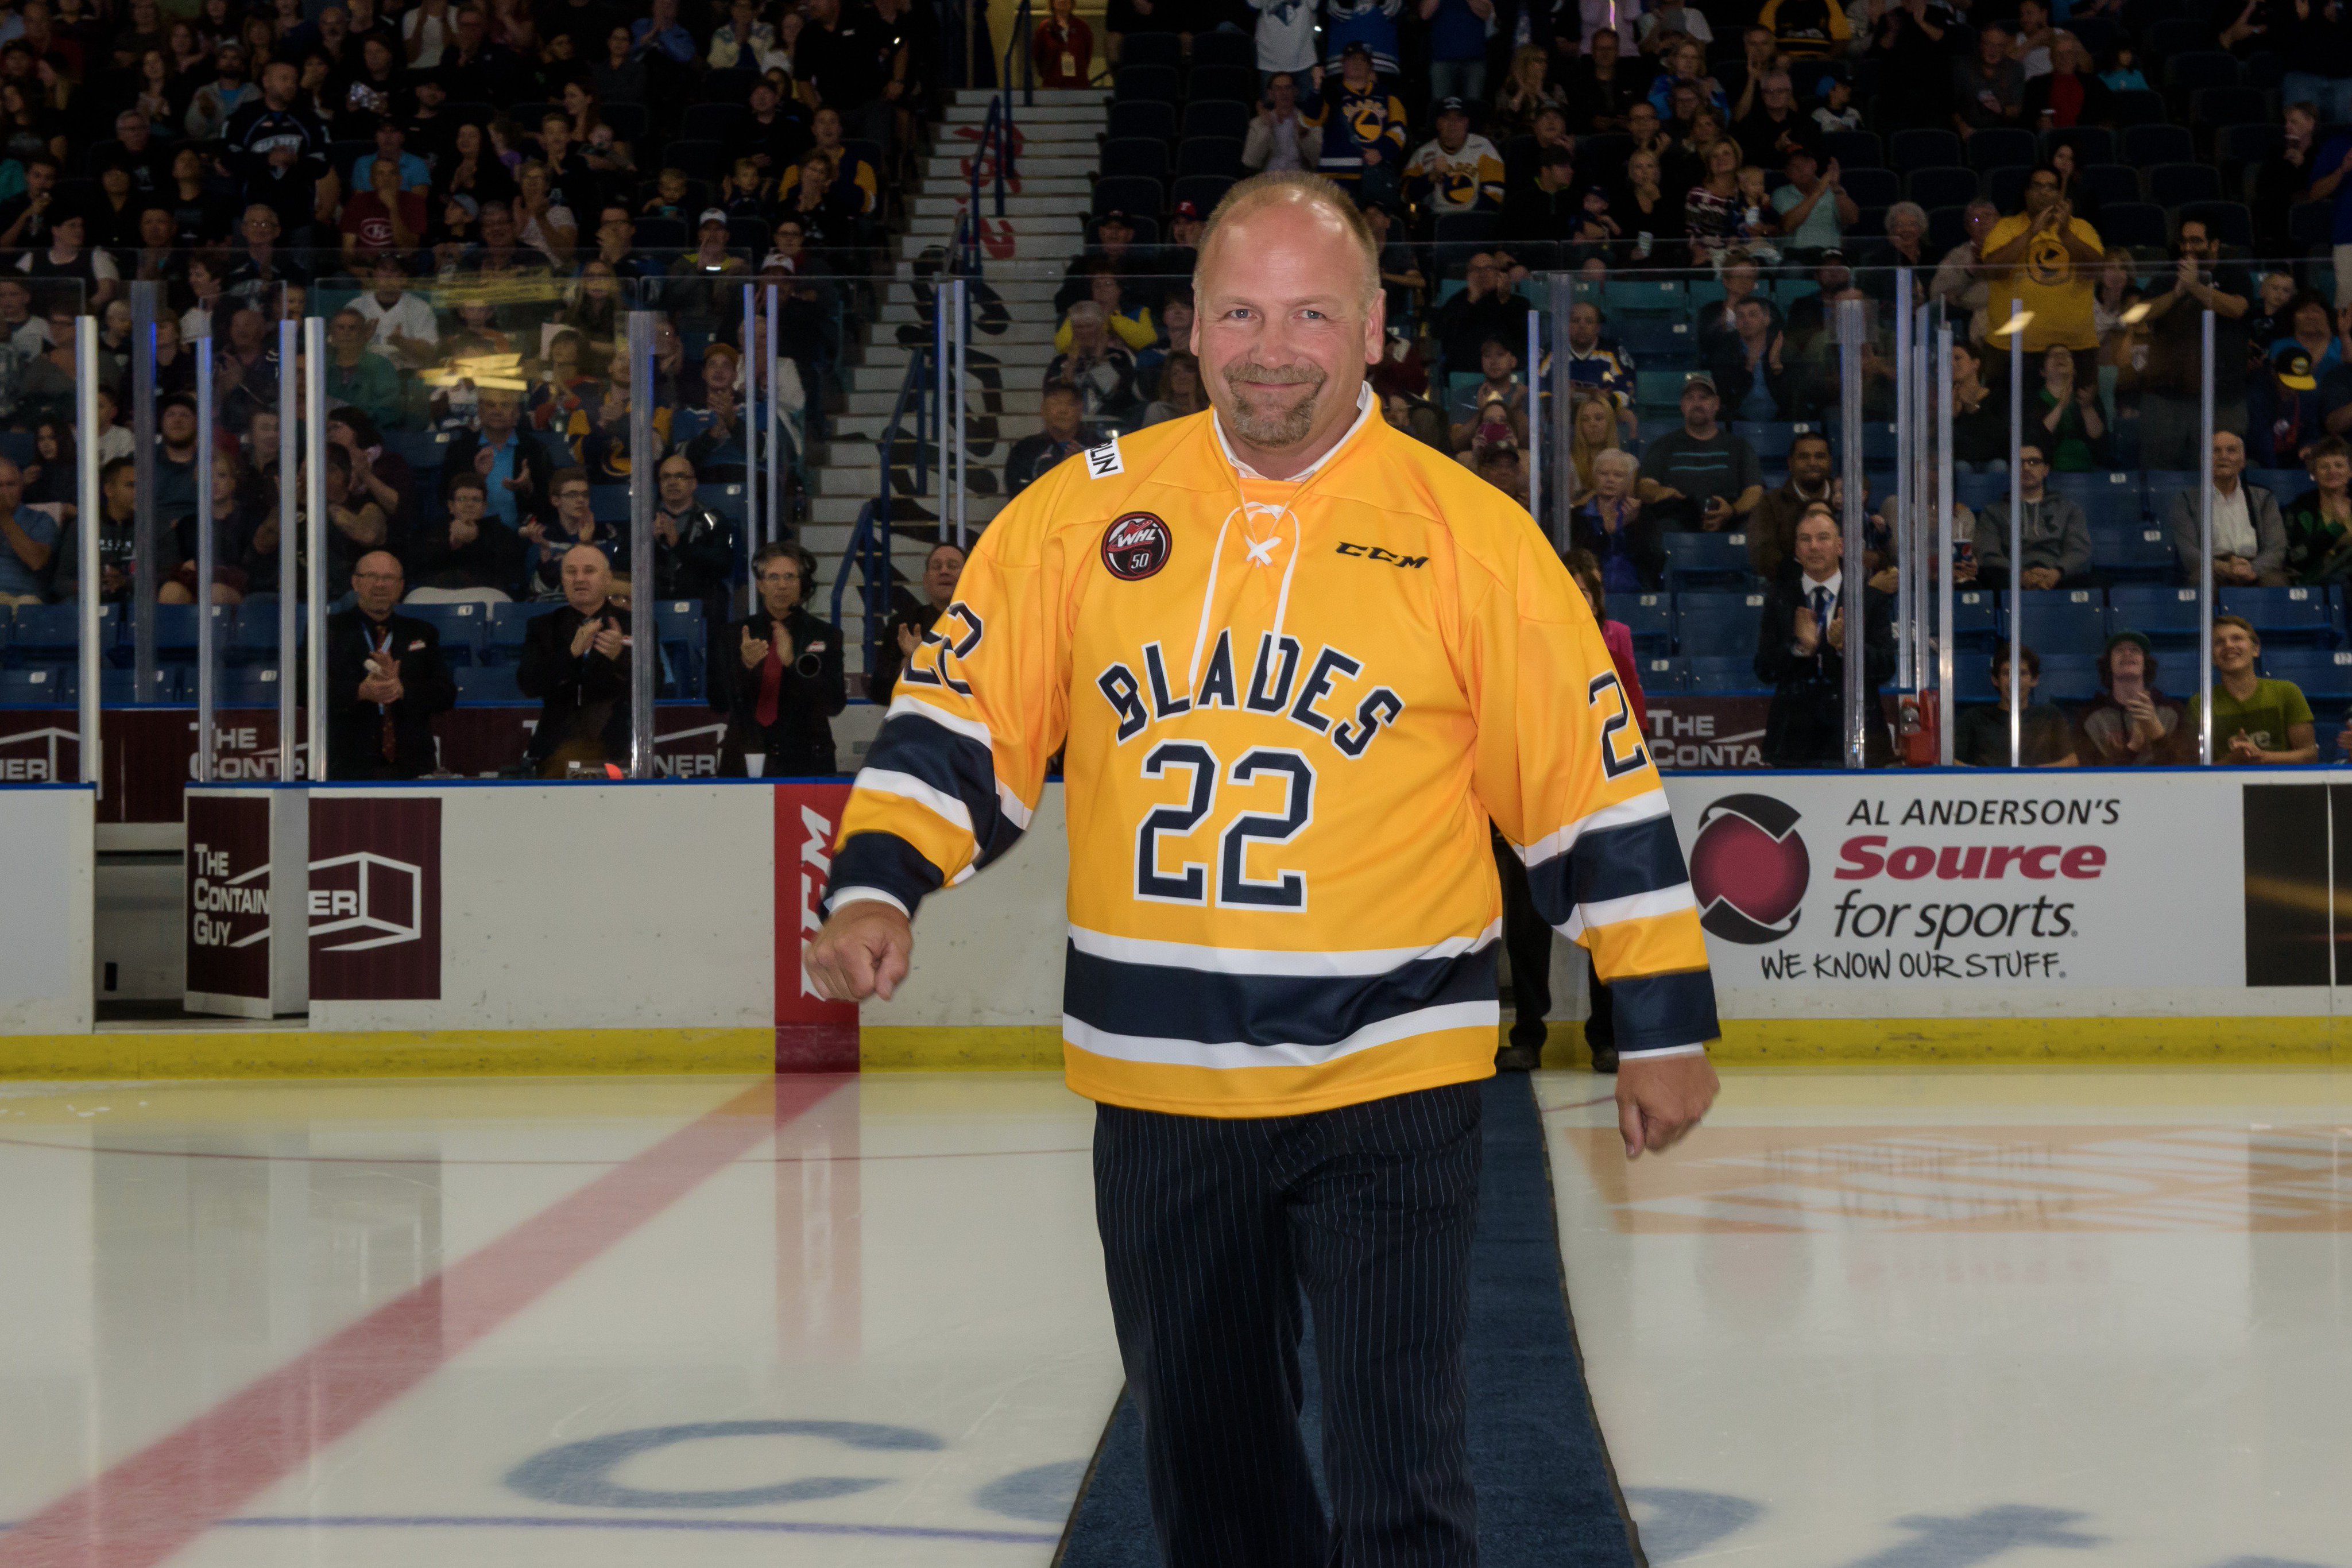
[(575, 660), (386, 680), (1802, 643)]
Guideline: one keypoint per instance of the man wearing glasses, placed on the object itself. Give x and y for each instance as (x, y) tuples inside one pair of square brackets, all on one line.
[(2053, 535), (386, 680)]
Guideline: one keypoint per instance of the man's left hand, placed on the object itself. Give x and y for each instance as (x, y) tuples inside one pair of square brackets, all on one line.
[(1661, 1098)]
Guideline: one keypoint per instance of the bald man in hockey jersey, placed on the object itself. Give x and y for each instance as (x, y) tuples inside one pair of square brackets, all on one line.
[(1295, 662)]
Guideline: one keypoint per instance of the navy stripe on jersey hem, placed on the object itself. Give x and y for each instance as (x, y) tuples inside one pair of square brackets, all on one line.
[(1610, 863), (886, 862), (954, 765), (1161, 1002), (1653, 1012)]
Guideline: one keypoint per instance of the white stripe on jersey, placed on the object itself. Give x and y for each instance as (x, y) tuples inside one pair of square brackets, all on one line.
[(907, 786), (1235, 1054), (973, 730), (1642, 808), (1263, 961), (1632, 907)]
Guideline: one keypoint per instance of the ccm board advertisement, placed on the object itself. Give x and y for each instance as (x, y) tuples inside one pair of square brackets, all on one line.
[(1963, 895)]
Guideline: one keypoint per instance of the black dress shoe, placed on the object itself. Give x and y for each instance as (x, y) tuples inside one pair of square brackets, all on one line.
[(1517, 1058), (1604, 1059)]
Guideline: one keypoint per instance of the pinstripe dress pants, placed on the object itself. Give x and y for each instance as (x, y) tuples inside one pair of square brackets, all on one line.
[(1212, 1229)]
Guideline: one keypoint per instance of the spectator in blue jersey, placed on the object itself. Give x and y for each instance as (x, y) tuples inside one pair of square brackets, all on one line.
[(1370, 25), (1457, 46), (1686, 67), (1363, 129), (1604, 368), (659, 31)]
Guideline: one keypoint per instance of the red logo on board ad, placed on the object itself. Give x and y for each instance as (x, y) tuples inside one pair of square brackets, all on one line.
[(375, 899), (1748, 869), (1135, 546)]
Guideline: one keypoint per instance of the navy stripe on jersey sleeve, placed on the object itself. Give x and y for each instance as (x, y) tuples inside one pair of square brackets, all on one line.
[(952, 764), (1608, 863), (1167, 1003), (1655, 1011), (885, 863)]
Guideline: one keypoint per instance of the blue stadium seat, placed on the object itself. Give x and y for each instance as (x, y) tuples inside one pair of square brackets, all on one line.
[(119, 688), (461, 626), (680, 628), (1770, 438), (253, 640), (1715, 625), (1704, 558), (1656, 297), (1720, 674), (503, 640), (1976, 618), (2289, 615), (727, 500), (2061, 621), (487, 683), (1664, 676), (609, 503), (1942, 187), (1649, 617), (39, 686), (2285, 484), (1658, 389), (2323, 675), (2101, 494), (422, 449), (2136, 552), (2068, 678), (2167, 615), (244, 685), (1653, 340), (1978, 491), (1924, 148), (51, 633)]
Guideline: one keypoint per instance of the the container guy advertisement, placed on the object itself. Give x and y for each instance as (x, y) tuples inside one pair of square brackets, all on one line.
[(1963, 894)]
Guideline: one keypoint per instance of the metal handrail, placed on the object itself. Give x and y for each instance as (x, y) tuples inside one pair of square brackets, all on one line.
[(868, 549)]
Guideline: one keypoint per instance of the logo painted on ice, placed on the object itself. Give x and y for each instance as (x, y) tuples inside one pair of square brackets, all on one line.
[(1749, 869), (1135, 546)]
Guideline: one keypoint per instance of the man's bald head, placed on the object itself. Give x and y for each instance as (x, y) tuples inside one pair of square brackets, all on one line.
[(1295, 193), (587, 578)]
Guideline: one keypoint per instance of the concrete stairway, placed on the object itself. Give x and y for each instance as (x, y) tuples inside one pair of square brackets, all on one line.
[(1024, 255)]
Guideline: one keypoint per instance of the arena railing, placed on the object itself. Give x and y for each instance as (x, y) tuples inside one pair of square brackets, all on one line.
[(2130, 448)]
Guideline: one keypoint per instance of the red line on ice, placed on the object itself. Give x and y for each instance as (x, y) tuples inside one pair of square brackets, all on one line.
[(153, 1503)]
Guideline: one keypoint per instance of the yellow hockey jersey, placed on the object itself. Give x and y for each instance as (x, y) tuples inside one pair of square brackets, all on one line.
[(1287, 712)]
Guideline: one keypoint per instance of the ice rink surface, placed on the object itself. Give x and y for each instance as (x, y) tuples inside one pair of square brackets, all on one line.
[(1921, 1319), (1893, 1320)]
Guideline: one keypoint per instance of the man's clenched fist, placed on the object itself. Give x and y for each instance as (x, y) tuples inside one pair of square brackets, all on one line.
[(1659, 1099), (861, 951)]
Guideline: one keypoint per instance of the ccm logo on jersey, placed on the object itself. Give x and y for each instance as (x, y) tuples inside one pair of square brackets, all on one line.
[(1374, 552), (1102, 462), (1135, 546)]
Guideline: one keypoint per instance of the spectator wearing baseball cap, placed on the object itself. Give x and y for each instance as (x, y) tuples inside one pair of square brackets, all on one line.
[(710, 257), (2130, 723), (1360, 26), (1702, 477), (1547, 214), (1456, 171), (1363, 129)]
